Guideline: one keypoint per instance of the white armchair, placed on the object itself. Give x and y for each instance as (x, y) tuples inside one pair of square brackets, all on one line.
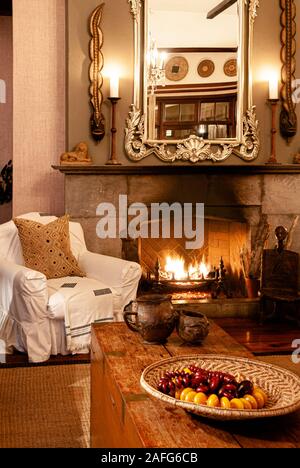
[(47, 317)]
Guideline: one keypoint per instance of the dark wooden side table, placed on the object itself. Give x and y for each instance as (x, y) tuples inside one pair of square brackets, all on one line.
[(124, 416)]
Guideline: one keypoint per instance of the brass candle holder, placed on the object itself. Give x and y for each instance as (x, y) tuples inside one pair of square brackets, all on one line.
[(113, 154), (273, 103)]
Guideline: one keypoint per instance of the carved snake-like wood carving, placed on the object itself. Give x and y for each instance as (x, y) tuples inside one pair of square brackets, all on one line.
[(96, 79), (288, 117)]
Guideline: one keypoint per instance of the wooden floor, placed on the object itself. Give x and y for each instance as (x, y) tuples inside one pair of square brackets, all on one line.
[(263, 340)]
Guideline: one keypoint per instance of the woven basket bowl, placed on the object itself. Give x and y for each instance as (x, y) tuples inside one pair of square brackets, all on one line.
[(281, 386)]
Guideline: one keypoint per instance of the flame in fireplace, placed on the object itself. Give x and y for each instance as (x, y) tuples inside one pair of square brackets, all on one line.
[(176, 269)]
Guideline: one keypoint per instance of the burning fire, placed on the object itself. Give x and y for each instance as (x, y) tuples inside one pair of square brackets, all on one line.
[(175, 269)]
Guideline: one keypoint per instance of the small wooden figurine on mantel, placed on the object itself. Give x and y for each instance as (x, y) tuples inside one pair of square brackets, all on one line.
[(297, 158), (79, 156)]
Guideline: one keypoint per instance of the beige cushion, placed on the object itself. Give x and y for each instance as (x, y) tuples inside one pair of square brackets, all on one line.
[(46, 248)]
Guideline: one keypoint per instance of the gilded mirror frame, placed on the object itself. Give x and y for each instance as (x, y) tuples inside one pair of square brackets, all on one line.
[(195, 149)]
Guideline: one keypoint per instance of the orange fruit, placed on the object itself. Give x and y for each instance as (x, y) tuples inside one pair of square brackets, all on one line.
[(263, 393), (236, 403), (178, 393), (225, 403), (200, 399), (251, 400), (246, 403), (190, 396), (185, 392), (259, 398), (213, 401)]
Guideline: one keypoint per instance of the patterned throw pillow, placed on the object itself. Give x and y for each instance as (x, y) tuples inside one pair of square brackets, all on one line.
[(46, 248)]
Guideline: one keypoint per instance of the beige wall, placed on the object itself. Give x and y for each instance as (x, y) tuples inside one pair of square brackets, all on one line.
[(39, 90), (118, 47), (39, 104), (267, 49), (6, 67)]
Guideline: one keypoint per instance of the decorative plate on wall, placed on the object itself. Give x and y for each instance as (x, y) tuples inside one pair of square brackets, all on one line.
[(177, 68), (206, 68), (230, 67)]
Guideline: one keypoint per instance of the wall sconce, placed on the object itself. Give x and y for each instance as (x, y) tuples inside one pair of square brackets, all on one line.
[(156, 67)]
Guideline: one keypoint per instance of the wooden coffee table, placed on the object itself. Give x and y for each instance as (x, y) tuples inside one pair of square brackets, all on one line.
[(124, 416)]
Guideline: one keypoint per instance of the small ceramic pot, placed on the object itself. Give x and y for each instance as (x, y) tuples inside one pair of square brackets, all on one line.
[(192, 327), (152, 316)]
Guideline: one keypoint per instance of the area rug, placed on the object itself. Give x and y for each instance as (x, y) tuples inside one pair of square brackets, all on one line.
[(45, 407)]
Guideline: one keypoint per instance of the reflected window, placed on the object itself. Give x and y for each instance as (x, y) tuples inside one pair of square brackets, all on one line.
[(222, 111), (207, 111), (172, 112), (209, 117), (187, 112)]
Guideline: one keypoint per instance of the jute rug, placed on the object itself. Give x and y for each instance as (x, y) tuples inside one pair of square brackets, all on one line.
[(45, 407)]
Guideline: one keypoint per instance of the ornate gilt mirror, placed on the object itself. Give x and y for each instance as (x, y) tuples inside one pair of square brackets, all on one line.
[(192, 81)]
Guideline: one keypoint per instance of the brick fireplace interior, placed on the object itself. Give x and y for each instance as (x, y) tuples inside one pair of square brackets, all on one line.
[(223, 242)]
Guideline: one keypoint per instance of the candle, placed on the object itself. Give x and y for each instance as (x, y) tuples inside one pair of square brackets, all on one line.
[(114, 85), (154, 58), (273, 87), (163, 57)]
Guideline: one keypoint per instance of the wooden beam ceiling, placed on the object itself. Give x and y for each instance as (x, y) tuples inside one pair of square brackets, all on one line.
[(220, 8)]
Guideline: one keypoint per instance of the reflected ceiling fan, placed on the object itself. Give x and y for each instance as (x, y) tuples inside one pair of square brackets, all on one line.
[(220, 8)]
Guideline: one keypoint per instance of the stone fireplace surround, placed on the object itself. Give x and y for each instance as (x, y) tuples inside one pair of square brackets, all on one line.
[(242, 193)]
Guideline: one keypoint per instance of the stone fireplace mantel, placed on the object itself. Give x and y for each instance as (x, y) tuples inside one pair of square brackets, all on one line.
[(242, 193), (245, 169)]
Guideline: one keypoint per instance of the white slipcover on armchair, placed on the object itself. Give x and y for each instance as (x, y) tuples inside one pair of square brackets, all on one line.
[(48, 317)]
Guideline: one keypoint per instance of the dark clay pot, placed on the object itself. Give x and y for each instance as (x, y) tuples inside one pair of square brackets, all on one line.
[(152, 316), (192, 327)]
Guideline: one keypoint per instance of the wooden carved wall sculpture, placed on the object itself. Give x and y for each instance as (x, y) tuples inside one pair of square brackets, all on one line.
[(288, 117), (96, 79)]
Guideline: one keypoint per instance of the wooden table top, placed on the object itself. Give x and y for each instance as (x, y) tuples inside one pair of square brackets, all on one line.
[(162, 426)]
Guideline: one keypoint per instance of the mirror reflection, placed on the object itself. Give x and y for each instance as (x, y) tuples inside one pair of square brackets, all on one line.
[(192, 69)]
